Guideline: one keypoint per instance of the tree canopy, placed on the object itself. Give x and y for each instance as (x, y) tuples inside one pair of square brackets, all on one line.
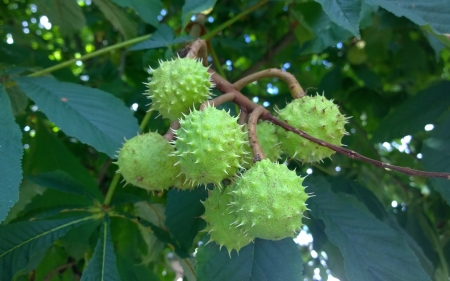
[(74, 80)]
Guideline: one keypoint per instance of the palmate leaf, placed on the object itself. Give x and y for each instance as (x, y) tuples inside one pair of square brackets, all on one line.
[(263, 260), (21, 242), (371, 249), (90, 115), (148, 10), (344, 13), (414, 113), (102, 266), (66, 14), (436, 155), (11, 151), (436, 13)]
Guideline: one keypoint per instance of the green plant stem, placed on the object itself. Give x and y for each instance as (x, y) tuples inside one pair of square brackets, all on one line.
[(145, 121), (111, 189), (90, 55), (229, 22)]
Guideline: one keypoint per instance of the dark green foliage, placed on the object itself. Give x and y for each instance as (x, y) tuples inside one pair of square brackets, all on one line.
[(11, 155), (72, 78), (261, 260)]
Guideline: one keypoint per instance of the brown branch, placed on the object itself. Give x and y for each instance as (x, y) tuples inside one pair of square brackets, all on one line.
[(354, 155), (258, 153), (218, 101), (243, 118), (294, 87), (248, 106)]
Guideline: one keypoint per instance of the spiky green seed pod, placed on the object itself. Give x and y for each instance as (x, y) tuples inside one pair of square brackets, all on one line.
[(268, 140), (220, 219), (177, 85), (269, 201), (209, 146), (319, 118), (146, 161)]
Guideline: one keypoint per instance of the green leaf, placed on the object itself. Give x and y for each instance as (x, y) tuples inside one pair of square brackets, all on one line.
[(148, 10), (21, 242), (344, 13), (137, 272), (18, 99), (66, 14), (61, 181), (47, 153), (414, 114), (262, 260), (118, 18), (102, 265), (90, 115), (327, 32), (364, 241), (302, 30), (11, 151), (444, 39), (436, 155), (436, 13), (162, 37), (192, 7), (183, 212)]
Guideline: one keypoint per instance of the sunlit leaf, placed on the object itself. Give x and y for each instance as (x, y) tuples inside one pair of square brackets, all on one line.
[(92, 116)]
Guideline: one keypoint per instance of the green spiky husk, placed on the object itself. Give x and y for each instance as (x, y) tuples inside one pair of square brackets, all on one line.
[(209, 146), (219, 219), (146, 161), (178, 85), (269, 201), (319, 118), (268, 140)]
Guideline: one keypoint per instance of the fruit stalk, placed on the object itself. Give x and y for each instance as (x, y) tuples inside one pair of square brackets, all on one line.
[(257, 151), (294, 87), (228, 97)]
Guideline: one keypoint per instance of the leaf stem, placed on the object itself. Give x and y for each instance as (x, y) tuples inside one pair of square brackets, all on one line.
[(145, 121), (111, 189), (257, 151), (294, 87), (90, 55)]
